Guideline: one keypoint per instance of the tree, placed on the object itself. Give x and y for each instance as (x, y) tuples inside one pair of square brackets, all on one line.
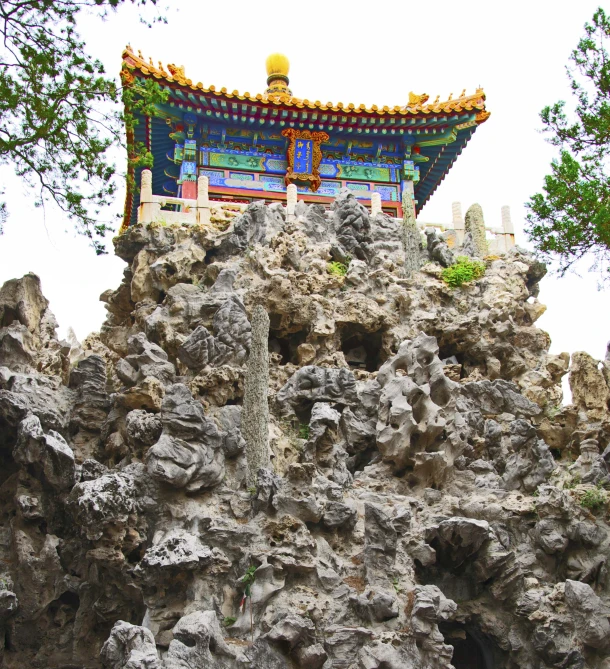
[(59, 111), (571, 218)]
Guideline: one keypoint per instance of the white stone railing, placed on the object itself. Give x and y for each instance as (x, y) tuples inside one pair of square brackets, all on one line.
[(202, 210), (500, 239), (205, 211)]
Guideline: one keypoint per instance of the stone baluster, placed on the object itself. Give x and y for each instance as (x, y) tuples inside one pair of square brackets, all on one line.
[(375, 203), (458, 221), (148, 210), (507, 227), (203, 201), (291, 202)]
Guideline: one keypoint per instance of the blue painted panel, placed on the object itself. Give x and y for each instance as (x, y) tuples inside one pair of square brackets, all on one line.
[(303, 156), (188, 170)]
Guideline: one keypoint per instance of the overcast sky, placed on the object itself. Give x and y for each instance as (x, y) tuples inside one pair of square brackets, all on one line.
[(351, 52)]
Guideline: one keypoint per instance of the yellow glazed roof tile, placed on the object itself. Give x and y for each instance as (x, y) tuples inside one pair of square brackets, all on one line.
[(417, 103)]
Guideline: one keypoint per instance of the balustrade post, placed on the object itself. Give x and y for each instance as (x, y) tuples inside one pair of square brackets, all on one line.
[(375, 204), (507, 228), (146, 213), (203, 201), (291, 202), (458, 221)]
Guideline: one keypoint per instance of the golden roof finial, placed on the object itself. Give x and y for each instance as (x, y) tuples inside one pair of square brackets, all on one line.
[(278, 67), (277, 63)]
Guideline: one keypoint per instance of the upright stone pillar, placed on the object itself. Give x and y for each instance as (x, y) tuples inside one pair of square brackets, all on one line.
[(255, 416), (458, 221), (410, 232), (507, 227), (375, 204), (147, 209), (291, 202), (203, 201), (475, 226)]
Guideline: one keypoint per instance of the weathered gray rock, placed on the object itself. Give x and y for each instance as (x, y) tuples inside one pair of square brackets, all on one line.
[(130, 647), (457, 539), (198, 642), (50, 452), (590, 615), (145, 359), (588, 385), (415, 436), (316, 384), (438, 249), (143, 427), (352, 224)]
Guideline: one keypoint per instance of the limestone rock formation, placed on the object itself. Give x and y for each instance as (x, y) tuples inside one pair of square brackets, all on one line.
[(423, 498)]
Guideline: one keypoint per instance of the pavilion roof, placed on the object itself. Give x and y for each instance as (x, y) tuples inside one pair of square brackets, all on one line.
[(134, 64)]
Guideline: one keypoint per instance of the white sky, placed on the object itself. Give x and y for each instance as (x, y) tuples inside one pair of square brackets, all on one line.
[(351, 52)]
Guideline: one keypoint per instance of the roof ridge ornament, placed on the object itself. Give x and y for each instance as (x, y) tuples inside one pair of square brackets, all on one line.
[(278, 67), (415, 99)]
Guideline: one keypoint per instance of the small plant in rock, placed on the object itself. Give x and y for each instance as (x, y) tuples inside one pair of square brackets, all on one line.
[(552, 410), (252, 490), (229, 620), (336, 268), (464, 271), (396, 585), (593, 499), (303, 431), (248, 580), (572, 482)]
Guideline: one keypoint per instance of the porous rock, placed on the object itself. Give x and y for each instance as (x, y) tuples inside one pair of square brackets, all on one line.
[(421, 487)]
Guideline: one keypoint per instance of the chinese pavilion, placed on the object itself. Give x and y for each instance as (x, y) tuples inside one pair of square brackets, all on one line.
[(250, 146)]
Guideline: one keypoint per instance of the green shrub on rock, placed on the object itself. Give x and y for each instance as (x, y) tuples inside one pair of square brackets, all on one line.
[(463, 271), (337, 268)]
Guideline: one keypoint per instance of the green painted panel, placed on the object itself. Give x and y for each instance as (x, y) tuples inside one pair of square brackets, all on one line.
[(364, 173), (236, 161)]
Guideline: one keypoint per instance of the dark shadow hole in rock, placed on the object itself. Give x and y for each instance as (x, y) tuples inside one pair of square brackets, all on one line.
[(362, 350), (360, 460), (450, 354), (63, 609), (71, 599), (136, 554), (556, 453), (7, 465), (286, 345), (471, 649), (303, 412), (161, 297), (191, 643), (8, 317)]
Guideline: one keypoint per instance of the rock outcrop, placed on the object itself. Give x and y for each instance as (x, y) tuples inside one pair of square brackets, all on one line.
[(263, 462)]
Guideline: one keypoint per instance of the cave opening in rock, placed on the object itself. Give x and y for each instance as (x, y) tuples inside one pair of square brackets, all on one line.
[(286, 345), (453, 359), (362, 350), (469, 652)]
